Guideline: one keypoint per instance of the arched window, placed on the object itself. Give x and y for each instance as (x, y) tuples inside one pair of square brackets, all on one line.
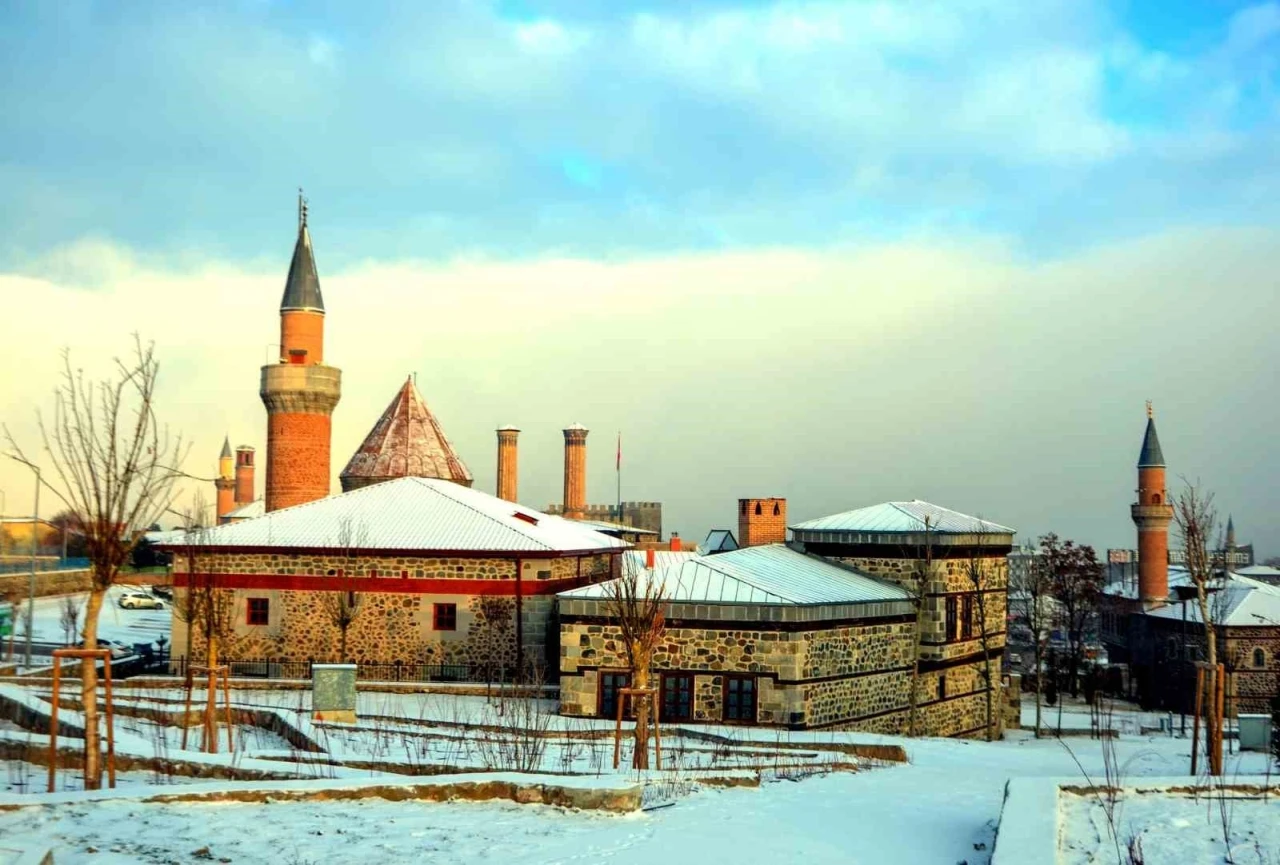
[(758, 512), (776, 510), (1259, 658)]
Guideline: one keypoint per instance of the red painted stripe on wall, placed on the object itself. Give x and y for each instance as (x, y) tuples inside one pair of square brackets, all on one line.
[(391, 585)]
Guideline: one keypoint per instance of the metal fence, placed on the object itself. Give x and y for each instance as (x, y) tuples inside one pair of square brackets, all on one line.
[(265, 668)]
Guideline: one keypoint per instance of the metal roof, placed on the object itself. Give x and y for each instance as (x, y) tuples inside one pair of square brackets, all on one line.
[(302, 287), (604, 526), (1151, 454), (407, 441), (895, 517), (414, 515), (247, 511), (770, 574), (637, 560), (1241, 603), (226, 448)]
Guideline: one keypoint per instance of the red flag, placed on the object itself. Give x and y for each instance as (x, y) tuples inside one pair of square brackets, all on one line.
[(619, 451)]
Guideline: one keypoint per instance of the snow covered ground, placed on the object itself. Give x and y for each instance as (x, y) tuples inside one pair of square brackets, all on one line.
[(114, 623)]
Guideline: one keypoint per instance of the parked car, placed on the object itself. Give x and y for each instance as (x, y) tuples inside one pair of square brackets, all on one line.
[(118, 650), (165, 592), (140, 601)]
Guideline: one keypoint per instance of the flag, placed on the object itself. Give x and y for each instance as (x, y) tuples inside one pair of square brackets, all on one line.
[(619, 451)]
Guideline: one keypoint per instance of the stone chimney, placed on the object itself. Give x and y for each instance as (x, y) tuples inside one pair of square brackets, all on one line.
[(507, 463), (575, 471), (244, 475)]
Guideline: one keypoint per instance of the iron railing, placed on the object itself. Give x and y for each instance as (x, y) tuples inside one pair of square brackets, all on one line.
[(267, 668)]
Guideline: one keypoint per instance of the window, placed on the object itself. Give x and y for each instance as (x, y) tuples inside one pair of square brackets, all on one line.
[(677, 697), (610, 684), (258, 611), (758, 512), (952, 617), (1259, 658), (740, 699), (776, 511), (942, 686), (966, 617), (445, 617)]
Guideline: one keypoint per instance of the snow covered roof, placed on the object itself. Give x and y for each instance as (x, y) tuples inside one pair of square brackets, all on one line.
[(605, 526), (1242, 603), (903, 517), (412, 515), (637, 560), (407, 441), (770, 574), (247, 511), (1263, 572)]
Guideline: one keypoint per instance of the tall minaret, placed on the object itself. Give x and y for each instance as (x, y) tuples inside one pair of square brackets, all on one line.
[(225, 482), (575, 471), (300, 392), (1152, 514), (508, 457), (1231, 533)]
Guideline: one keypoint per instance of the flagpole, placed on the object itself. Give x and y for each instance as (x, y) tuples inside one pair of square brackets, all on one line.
[(619, 467)]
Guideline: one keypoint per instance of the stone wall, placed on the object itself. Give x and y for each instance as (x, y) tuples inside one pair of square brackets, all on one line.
[(47, 583), (1252, 686), (805, 678)]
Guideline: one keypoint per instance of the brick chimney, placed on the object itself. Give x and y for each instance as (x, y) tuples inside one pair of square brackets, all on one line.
[(762, 521), (676, 545), (575, 471), (649, 558), (244, 475), (507, 463)]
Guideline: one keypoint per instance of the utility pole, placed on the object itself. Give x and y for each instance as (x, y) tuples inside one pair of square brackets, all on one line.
[(31, 582)]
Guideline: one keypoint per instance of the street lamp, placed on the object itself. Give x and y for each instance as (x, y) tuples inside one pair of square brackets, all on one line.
[(31, 582)]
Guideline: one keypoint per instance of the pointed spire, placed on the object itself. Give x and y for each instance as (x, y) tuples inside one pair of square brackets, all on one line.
[(1231, 533), (302, 287), (226, 448), (1151, 455), (407, 441)]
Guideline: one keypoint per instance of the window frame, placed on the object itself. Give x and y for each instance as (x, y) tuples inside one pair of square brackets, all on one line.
[(602, 688), (726, 689), (436, 616), (951, 617), (966, 616), (664, 715), (1259, 657), (255, 609)]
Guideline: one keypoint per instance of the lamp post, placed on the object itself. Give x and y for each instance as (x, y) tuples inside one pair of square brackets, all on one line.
[(31, 582)]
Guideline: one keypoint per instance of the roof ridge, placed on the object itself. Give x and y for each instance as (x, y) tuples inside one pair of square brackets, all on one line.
[(747, 551), (440, 491)]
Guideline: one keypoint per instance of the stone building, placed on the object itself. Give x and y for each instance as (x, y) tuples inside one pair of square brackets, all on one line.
[(431, 563), (822, 632)]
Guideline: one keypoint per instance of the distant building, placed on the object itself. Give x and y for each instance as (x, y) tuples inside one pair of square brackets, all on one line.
[(641, 515)]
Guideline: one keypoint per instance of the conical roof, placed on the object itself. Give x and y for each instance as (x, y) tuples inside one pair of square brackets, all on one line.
[(226, 448), (1151, 454), (302, 288), (407, 441)]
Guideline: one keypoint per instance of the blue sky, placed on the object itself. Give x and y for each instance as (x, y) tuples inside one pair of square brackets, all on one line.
[(522, 128)]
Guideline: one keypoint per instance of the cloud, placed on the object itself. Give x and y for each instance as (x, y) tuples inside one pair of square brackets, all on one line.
[(959, 372)]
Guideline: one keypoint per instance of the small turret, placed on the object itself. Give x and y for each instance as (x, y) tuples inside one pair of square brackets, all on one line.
[(225, 482)]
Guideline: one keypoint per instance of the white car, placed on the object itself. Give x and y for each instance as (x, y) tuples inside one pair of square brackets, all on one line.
[(140, 601)]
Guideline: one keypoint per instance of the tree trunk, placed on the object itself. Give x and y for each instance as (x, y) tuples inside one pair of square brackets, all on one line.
[(211, 699), (1039, 682), (642, 706), (1213, 728), (342, 646), (89, 693)]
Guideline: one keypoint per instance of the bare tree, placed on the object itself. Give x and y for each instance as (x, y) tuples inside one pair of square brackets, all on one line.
[(69, 617), (918, 588), (1035, 608), (635, 602), (1075, 583), (495, 635), (976, 572), (115, 466), (343, 605), (1196, 519)]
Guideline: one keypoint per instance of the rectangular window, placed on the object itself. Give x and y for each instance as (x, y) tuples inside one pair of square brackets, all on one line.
[(942, 686), (952, 618), (740, 699), (445, 617), (610, 683), (966, 617), (258, 611), (677, 697)]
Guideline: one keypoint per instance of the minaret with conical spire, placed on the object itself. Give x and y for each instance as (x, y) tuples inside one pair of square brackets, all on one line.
[(225, 482), (300, 392), (1231, 533), (1152, 514)]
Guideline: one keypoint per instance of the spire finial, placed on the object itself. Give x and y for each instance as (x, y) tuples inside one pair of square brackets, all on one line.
[(302, 209), (1149, 413)]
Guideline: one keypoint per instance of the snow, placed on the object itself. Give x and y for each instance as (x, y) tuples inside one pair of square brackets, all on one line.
[(114, 623)]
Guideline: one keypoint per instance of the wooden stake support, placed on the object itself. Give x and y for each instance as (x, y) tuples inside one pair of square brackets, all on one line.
[(81, 654), (1195, 723), (211, 723), (650, 694)]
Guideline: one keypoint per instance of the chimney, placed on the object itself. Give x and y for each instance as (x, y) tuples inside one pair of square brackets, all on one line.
[(649, 558), (244, 475), (762, 521), (507, 463), (675, 542), (575, 471)]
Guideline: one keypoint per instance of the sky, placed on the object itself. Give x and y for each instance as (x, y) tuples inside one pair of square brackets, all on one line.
[(838, 252)]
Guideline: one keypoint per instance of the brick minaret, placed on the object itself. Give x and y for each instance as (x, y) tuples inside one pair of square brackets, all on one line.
[(507, 463), (225, 484), (244, 475), (575, 471), (762, 521), (1152, 515), (300, 392)]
